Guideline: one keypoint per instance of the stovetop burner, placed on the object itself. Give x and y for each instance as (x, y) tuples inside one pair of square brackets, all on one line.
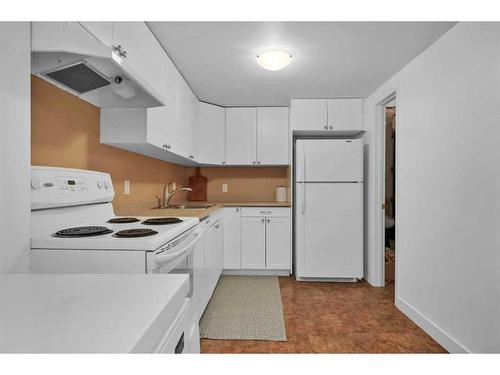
[(162, 220), (82, 232), (123, 220), (137, 232)]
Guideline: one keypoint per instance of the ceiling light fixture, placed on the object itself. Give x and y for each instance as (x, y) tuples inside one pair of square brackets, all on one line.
[(274, 59)]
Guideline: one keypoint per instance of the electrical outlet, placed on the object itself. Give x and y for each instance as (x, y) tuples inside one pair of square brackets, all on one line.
[(126, 187), (224, 188)]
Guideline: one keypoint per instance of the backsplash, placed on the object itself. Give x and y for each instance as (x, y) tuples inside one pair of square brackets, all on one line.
[(244, 183), (65, 133)]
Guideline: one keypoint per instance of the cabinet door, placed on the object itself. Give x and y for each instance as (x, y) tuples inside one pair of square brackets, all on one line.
[(102, 31), (253, 243), (240, 136), (309, 114), (131, 36), (219, 248), (278, 243), (154, 71), (345, 114), (272, 135), (232, 238), (210, 134)]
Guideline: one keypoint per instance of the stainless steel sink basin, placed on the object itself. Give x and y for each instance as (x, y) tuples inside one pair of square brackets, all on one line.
[(189, 206)]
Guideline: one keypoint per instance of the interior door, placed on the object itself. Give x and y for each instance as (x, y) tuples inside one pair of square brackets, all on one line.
[(253, 243), (329, 226), (323, 160), (278, 243)]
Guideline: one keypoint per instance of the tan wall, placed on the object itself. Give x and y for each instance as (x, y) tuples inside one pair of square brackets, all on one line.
[(65, 133), (244, 183)]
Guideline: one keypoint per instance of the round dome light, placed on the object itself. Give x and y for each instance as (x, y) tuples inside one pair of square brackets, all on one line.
[(274, 59)]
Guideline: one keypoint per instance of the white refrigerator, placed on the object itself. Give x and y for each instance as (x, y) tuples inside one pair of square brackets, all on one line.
[(329, 209)]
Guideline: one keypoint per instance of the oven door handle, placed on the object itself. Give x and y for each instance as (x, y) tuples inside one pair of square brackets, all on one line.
[(168, 257)]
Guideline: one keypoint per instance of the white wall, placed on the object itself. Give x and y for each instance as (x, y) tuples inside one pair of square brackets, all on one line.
[(14, 144), (447, 188)]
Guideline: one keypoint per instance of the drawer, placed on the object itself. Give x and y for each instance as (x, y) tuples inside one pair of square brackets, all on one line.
[(266, 211)]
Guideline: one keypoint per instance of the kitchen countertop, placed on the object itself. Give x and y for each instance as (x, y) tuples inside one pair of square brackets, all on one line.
[(87, 313), (145, 209)]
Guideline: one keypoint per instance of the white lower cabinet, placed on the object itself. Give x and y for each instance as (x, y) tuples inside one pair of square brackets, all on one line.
[(278, 243), (253, 243), (232, 238), (257, 238)]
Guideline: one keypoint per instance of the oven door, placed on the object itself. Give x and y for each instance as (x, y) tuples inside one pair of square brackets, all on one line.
[(185, 256)]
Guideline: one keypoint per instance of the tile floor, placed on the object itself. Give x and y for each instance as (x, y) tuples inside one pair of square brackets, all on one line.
[(337, 318)]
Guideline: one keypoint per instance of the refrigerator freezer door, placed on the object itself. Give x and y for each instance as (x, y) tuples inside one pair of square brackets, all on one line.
[(329, 160), (329, 230)]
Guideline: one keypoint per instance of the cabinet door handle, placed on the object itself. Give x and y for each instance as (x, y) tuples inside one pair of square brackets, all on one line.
[(258, 162), (237, 210), (217, 226), (268, 220), (325, 127), (263, 220), (331, 127)]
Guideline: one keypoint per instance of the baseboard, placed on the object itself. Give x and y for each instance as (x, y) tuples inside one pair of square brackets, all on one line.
[(256, 272), (443, 338), (328, 279), (374, 283)]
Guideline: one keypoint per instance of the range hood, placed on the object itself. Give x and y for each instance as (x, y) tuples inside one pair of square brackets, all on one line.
[(80, 77), (66, 55)]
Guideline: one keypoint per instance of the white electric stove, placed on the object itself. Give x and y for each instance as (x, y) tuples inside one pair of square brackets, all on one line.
[(75, 230)]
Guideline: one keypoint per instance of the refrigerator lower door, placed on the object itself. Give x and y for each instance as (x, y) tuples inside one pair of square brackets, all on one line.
[(329, 230)]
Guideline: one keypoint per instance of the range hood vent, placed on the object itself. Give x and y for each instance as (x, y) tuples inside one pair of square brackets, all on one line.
[(80, 77)]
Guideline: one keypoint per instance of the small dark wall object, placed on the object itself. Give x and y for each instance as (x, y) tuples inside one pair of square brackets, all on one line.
[(199, 185)]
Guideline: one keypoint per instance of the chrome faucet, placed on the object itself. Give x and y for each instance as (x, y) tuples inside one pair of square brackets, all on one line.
[(167, 194)]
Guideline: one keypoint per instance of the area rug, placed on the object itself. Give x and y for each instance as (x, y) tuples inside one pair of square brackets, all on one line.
[(245, 308)]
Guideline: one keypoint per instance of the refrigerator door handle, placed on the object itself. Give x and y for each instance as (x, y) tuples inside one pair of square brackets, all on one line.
[(303, 198), (304, 162)]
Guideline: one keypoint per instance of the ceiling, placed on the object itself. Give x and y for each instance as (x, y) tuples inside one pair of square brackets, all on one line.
[(330, 59)]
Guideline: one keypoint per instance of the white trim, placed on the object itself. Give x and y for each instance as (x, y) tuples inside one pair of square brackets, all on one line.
[(431, 328), (256, 272)]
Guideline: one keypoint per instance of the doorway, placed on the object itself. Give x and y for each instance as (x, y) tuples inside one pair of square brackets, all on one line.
[(390, 193)]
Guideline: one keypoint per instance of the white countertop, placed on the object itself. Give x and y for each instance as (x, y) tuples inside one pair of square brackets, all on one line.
[(87, 313)]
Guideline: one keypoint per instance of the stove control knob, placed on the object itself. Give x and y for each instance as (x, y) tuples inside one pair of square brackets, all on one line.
[(100, 184), (106, 185), (35, 184)]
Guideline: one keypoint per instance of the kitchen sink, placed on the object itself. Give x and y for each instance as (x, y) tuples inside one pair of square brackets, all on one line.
[(189, 206)]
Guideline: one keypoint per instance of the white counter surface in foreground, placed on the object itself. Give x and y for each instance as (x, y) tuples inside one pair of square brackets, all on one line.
[(87, 313)]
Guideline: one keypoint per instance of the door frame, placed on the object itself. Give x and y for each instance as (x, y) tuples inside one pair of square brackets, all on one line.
[(380, 217)]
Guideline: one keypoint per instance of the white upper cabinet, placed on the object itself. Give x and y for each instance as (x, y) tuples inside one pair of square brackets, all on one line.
[(345, 114), (240, 136), (130, 39), (210, 134), (272, 135), (327, 114), (309, 114), (102, 31)]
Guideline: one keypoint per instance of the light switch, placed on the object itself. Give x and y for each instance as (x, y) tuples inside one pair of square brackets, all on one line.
[(224, 188), (126, 187)]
